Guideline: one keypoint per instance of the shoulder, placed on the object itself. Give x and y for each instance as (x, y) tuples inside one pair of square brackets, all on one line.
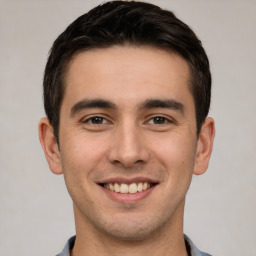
[(69, 245), (193, 249)]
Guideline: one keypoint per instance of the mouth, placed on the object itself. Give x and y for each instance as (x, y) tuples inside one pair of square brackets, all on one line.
[(128, 188)]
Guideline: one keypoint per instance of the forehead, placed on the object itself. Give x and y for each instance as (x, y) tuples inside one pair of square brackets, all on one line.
[(127, 73)]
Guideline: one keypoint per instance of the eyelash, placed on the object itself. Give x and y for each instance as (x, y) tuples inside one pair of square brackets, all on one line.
[(90, 120), (98, 122), (163, 120)]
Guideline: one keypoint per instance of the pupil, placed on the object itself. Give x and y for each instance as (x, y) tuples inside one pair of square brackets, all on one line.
[(159, 120), (97, 120)]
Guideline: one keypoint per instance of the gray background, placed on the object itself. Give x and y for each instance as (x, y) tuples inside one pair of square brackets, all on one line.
[(36, 214)]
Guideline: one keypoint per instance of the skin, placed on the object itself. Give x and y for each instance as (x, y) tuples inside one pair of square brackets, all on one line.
[(128, 139)]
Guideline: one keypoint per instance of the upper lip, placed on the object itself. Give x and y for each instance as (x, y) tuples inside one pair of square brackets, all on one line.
[(127, 180)]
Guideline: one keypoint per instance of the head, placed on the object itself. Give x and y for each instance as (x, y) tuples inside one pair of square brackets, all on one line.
[(126, 23), (127, 92)]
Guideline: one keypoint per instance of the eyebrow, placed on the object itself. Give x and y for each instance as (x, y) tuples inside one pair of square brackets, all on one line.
[(166, 103), (147, 104), (91, 103)]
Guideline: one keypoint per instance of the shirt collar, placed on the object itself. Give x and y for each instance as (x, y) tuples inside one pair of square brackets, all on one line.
[(191, 248)]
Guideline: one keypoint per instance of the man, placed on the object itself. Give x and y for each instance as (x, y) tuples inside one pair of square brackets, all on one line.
[(127, 91)]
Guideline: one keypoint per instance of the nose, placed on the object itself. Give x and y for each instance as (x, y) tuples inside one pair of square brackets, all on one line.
[(128, 147)]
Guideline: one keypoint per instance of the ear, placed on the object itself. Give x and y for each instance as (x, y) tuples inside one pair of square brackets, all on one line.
[(204, 146), (50, 146)]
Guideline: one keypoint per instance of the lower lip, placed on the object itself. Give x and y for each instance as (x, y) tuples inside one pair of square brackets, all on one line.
[(128, 198)]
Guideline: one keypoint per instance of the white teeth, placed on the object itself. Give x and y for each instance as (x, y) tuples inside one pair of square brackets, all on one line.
[(140, 187), (111, 187), (145, 186), (132, 188), (125, 188), (116, 188)]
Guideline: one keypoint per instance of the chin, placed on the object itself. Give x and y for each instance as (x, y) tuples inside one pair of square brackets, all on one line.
[(132, 229), (130, 233)]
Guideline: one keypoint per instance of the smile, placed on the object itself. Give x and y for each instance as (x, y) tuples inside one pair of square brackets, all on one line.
[(128, 191), (124, 188)]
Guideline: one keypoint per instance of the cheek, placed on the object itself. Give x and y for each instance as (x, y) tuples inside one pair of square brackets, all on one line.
[(177, 154), (80, 156), (82, 151)]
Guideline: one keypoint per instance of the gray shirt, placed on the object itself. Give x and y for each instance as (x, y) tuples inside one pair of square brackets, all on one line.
[(191, 248)]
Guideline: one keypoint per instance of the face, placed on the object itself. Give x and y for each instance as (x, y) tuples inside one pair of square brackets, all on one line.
[(128, 143)]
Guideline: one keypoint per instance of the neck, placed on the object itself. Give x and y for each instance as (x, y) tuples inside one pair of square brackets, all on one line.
[(168, 240)]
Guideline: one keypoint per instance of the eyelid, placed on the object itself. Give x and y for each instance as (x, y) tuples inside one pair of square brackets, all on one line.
[(90, 120), (167, 118), (87, 119)]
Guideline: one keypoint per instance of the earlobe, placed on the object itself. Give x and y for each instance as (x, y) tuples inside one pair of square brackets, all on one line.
[(49, 145), (204, 146)]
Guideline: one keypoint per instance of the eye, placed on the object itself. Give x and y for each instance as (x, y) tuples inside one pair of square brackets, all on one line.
[(159, 120), (96, 123), (95, 120)]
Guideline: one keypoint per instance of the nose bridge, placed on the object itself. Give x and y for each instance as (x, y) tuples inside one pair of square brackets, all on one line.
[(128, 147)]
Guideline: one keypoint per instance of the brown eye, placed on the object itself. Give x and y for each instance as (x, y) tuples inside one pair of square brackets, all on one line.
[(158, 120), (96, 120)]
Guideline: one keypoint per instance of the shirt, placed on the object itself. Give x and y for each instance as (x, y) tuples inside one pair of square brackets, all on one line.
[(191, 248)]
